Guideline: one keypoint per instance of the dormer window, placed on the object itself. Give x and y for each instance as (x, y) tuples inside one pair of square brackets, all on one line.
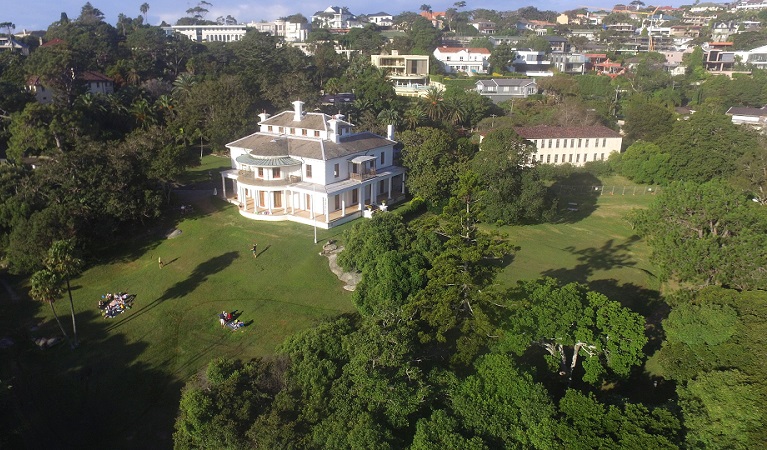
[(316, 133), (303, 132), (292, 131), (269, 128)]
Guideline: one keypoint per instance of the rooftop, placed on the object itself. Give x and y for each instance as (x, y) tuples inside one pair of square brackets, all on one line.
[(551, 132)]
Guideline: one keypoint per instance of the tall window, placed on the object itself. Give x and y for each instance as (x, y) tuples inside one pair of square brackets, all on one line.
[(543, 143), (308, 171), (276, 173), (336, 169), (596, 143), (556, 159), (604, 143), (383, 158), (587, 142), (303, 131), (557, 144), (260, 172), (316, 133), (548, 159), (579, 143)]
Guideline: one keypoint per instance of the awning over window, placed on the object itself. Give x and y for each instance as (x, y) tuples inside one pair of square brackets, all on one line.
[(267, 162), (362, 159)]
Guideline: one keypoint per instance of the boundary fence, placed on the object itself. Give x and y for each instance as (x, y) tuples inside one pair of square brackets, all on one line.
[(607, 189)]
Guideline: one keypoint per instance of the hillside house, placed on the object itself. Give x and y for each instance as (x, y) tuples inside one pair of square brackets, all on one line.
[(502, 89), (311, 168), (460, 59), (408, 73)]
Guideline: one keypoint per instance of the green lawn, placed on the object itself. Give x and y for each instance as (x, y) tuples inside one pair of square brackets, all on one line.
[(592, 245), (121, 388)]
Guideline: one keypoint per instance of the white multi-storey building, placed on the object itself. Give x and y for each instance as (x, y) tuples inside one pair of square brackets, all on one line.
[(313, 169), (460, 59), (571, 145)]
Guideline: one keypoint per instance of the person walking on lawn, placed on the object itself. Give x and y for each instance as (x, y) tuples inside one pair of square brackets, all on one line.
[(255, 250), (159, 261)]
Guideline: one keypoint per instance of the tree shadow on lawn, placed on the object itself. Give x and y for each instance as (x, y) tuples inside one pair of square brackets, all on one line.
[(145, 238), (647, 302), (577, 196), (183, 288), (609, 256), (97, 396)]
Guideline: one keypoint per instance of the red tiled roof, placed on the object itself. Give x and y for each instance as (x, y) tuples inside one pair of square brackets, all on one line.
[(549, 132), (52, 42), (94, 76), (445, 49)]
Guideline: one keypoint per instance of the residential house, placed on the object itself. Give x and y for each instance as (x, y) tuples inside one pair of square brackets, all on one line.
[(571, 145), (381, 19), (209, 33), (572, 63), (717, 58), (539, 27), (461, 59), (335, 18), (751, 5), (722, 31), (503, 89), (558, 43), (95, 83), (408, 73), (288, 31), (311, 168), (484, 26), (754, 117), (437, 19), (756, 57), (12, 45), (686, 31), (530, 62)]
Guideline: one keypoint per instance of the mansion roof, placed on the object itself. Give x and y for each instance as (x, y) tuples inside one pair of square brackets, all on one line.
[(550, 132), (310, 121), (266, 146), (745, 111)]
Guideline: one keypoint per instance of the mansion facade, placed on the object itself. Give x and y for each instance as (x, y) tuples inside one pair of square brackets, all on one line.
[(313, 169), (571, 145)]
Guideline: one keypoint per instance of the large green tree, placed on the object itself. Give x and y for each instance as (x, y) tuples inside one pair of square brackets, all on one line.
[(705, 234), (512, 191), (433, 163), (571, 322)]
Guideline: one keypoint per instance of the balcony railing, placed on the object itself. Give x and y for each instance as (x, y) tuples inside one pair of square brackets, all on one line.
[(370, 173), (249, 177)]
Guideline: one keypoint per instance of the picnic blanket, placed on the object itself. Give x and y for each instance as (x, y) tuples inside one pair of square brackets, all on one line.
[(234, 325), (118, 305)]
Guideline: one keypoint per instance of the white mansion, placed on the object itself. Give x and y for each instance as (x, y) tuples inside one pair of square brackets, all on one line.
[(311, 168)]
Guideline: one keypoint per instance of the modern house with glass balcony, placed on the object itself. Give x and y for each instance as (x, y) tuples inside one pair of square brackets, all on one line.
[(312, 168)]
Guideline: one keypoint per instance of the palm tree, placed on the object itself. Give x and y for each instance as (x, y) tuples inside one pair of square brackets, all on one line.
[(61, 260), (415, 116), (389, 117), (455, 111), (142, 112), (182, 85), (144, 8), (435, 107), (46, 287), (332, 86)]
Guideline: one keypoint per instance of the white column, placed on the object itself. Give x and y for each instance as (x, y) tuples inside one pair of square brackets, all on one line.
[(360, 197), (325, 206), (254, 194), (343, 208), (311, 205), (269, 200), (389, 194), (403, 183), (223, 185)]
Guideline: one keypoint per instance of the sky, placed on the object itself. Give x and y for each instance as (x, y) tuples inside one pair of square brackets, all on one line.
[(44, 12)]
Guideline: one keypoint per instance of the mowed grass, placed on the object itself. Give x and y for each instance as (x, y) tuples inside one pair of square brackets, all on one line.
[(593, 245), (121, 387)]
